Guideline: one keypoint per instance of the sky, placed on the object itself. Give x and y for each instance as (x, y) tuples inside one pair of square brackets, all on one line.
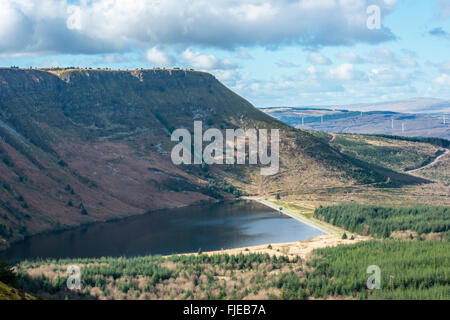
[(272, 52)]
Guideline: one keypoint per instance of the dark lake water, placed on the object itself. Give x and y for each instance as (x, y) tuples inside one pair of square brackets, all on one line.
[(209, 227)]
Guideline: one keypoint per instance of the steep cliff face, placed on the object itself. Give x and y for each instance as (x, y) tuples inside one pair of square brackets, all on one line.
[(79, 146)]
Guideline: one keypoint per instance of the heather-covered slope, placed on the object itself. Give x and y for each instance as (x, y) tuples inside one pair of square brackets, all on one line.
[(10, 293), (80, 146)]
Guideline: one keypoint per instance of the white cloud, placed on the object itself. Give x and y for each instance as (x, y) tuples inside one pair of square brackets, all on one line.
[(285, 90), (106, 26), (312, 69), (443, 80), (73, 21), (351, 57), (243, 54), (51, 64), (444, 7), (342, 83), (200, 61), (445, 67), (254, 12), (286, 64), (228, 76), (408, 62), (159, 58), (343, 72), (318, 58), (385, 76), (384, 56)]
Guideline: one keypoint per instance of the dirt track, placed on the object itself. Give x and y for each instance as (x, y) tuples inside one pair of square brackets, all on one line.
[(430, 164)]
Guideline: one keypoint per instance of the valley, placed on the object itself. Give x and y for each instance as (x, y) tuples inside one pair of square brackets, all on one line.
[(80, 146), (85, 164), (215, 159)]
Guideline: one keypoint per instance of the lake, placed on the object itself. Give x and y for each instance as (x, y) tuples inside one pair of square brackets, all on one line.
[(181, 230)]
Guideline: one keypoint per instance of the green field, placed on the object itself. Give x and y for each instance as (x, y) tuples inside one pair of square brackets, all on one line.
[(409, 270), (383, 221)]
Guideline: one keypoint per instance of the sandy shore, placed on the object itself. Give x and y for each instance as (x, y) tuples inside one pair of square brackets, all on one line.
[(292, 249)]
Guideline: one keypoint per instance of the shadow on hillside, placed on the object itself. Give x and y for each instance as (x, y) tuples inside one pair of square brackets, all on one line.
[(393, 178)]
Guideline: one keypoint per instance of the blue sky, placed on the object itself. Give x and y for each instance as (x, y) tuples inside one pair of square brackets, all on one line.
[(272, 52)]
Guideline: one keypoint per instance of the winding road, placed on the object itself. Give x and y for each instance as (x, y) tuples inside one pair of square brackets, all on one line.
[(431, 163)]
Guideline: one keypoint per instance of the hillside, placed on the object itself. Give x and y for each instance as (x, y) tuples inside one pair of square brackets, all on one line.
[(395, 153), (79, 146), (410, 270), (10, 293)]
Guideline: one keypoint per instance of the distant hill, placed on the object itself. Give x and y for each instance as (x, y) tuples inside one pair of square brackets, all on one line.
[(413, 105), (369, 122), (79, 146)]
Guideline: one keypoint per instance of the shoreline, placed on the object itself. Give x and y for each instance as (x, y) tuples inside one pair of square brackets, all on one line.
[(293, 215), (303, 248), (4, 247)]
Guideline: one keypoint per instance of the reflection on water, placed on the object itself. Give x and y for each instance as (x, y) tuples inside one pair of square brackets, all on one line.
[(210, 227)]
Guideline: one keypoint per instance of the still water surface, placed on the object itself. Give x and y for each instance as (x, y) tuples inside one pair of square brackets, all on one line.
[(209, 227)]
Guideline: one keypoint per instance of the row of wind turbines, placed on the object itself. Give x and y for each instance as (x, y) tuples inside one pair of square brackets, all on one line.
[(444, 121)]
